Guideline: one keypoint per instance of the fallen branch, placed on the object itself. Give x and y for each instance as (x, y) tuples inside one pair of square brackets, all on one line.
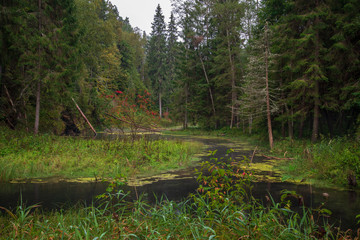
[(277, 158), (83, 115), (10, 100)]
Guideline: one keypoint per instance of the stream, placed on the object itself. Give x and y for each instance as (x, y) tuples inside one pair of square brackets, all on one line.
[(176, 185)]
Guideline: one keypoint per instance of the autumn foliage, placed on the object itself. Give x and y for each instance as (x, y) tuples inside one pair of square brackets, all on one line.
[(132, 110)]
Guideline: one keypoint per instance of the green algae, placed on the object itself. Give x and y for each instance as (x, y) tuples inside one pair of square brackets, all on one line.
[(135, 181)]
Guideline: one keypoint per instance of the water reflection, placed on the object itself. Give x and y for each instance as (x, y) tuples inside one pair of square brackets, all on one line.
[(345, 205)]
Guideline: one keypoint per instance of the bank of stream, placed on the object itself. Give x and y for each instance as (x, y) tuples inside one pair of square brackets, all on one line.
[(176, 185)]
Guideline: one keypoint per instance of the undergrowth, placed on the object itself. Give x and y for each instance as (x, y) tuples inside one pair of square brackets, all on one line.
[(336, 161)]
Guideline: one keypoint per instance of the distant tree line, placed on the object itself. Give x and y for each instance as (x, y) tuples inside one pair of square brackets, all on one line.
[(309, 54), (216, 63)]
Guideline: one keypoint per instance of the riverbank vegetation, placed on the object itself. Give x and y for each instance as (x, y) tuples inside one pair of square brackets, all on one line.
[(24, 155), (334, 161), (330, 161), (222, 208)]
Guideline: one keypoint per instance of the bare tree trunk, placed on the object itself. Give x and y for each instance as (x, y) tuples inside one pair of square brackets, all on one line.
[(37, 109), (160, 105), (271, 141), (233, 79), (38, 89), (315, 131), (186, 108), (208, 82)]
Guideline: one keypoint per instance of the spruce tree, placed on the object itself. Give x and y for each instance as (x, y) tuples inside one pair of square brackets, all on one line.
[(157, 56), (227, 64), (172, 56)]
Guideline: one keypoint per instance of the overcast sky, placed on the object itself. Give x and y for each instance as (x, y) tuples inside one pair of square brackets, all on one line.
[(141, 12)]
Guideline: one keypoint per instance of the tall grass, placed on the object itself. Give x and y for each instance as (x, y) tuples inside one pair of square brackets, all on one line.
[(27, 156), (331, 160)]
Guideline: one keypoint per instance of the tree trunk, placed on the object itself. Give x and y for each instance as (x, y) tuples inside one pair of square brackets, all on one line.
[(250, 124), (315, 130), (186, 108), (271, 141), (329, 124), (233, 79), (37, 109), (208, 82), (160, 105), (301, 126), (38, 89)]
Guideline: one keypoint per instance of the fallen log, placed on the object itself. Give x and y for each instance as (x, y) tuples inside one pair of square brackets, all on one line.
[(83, 115)]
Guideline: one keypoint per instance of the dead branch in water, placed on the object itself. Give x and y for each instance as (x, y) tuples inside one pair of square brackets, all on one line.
[(252, 157), (277, 158)]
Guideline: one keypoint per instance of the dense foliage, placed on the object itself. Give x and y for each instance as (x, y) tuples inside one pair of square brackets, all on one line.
[(207, 66), (52, 51)]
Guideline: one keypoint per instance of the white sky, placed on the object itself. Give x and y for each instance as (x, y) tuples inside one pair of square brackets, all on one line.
[(141, 12)]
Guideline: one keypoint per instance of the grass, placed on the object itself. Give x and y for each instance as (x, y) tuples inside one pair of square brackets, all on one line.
[(331, 161), (27, 156), (196, 217)]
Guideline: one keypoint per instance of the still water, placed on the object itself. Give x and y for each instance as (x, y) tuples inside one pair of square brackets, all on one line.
[(344, 204)]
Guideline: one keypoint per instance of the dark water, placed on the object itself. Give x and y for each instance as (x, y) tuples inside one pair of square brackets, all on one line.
[(345, 205)]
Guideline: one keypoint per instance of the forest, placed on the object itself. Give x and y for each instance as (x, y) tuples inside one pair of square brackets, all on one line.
[(215, 64)]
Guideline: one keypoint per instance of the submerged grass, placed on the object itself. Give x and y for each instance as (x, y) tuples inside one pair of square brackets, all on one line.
[(27, 156)]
